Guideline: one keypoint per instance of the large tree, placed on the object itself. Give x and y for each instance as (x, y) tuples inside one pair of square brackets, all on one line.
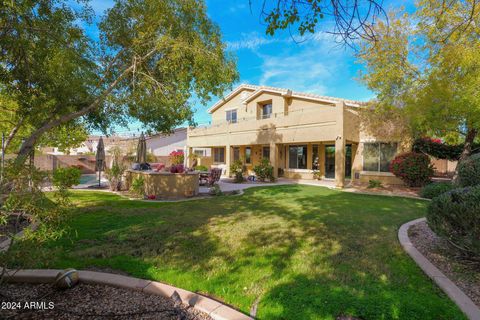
[(152, 57), (425, 67)]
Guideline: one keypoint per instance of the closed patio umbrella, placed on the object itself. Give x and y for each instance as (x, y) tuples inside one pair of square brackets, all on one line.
[(142, 150), (100, 159)]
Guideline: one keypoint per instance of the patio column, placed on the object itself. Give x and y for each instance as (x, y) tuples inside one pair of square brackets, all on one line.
[(227, 159), (274, 158), (187, 155), (340, 147)]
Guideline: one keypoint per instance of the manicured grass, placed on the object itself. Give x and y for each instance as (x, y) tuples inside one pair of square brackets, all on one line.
[(302, 252)]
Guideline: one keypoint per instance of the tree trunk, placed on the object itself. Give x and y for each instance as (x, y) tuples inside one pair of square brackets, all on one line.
[(467, 149), (13, 132)]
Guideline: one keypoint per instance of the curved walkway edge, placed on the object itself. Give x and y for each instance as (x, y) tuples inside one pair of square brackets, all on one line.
[(454, 292), (215, 309)]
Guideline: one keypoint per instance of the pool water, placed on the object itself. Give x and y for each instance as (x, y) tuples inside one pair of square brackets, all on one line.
[(88, 178)]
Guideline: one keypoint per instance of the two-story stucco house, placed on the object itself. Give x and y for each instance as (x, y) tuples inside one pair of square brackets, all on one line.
[(298, 132)]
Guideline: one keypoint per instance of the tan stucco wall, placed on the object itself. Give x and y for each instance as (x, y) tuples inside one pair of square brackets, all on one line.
[(205, 161), (219, 115), (294, 121), (166, 185), (306, 121)]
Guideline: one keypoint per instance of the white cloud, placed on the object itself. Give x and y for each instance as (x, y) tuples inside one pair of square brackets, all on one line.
[(251, 41), (238, 6), (309, 67)]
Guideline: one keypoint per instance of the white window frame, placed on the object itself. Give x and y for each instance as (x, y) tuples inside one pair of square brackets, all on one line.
[(231, 111), (262, 107)]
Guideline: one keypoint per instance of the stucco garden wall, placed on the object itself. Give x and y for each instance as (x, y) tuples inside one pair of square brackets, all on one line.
[(165, 184)]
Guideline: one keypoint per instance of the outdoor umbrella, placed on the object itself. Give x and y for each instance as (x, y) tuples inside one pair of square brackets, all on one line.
[(142, 150), (100, 159)]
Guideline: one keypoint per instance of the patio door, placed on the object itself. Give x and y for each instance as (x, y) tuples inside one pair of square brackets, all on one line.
[(330, 161)]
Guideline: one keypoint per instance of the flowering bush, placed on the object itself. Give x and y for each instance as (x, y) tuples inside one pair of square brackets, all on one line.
[(177, 157), (454, 216), (413, 168), (177, 168), (439, 149)]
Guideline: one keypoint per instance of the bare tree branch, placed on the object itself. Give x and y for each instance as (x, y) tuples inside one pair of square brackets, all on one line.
[(353, 20)]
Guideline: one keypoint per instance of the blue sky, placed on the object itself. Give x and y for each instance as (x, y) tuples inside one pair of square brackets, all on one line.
[(316, 65)]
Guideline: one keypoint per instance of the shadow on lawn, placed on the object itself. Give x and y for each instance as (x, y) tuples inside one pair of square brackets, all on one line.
[(307, 252)]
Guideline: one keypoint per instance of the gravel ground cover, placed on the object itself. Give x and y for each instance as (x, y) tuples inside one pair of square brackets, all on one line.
[(89, 302), (464, 274)]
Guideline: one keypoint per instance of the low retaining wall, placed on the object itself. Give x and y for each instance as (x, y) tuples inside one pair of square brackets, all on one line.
[(461, 299), (165, 184), (215, 309)]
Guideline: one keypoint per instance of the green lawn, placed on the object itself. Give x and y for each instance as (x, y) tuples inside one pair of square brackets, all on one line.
[(302, 252)]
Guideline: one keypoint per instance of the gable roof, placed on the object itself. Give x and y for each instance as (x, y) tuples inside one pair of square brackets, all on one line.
[(258, 90)]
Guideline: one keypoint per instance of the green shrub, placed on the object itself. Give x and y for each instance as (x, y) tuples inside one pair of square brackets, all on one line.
[(66, 177), (237, 169), (469, 171), (433, 190), (114, 176), (201, 168), (374, 184), (138, 186), (264, 171), (413, 168), (215, 190), (62, 179), (455, 215), (317, 175)]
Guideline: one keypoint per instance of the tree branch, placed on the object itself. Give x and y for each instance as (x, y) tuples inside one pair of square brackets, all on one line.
[(27, 146)]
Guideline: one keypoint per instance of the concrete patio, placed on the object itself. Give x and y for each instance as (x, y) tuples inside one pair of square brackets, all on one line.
[(227, 184)]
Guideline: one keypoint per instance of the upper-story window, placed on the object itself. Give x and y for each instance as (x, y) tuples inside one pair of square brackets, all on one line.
[(232, 116), (266, 111)]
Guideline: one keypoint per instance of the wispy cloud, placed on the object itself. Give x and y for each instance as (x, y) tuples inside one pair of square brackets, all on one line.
[(311, 67), (251, 41), (237, 6)]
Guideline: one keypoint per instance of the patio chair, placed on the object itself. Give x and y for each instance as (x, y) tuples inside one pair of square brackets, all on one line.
[(213, 177)]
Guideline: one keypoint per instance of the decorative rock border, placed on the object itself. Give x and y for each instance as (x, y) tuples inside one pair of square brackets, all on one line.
[(5, 244), (461, 299), (214, 308)]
